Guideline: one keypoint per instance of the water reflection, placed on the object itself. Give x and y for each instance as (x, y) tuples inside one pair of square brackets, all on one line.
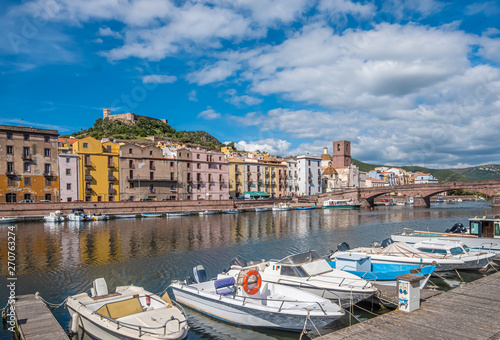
[(63, 259)]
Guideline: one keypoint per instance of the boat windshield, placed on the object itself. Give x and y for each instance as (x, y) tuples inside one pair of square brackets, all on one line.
[(293, 271), (456, 251), (466, 248), (433, 251), (301, 258)]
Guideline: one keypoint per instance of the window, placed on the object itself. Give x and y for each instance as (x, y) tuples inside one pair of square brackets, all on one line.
[(131, 174), (111, 198), (68, 186), (151, 153), (26, 137), (47, 139), (433, 251), (10, 149), (27, 181), (9, 135), (46, 152), (220, 167), (69, 199), (180, 154), (68, 172), (456, 251), (88, 198), (10, 182), (130, 151), (10, 167), (85, 145), (172, 176), (151, 165), (131, 163), (108, 148), (197, 156), (198, 186), (151, 176), (48, 182), (474, 228), (131, 185), (26, 151), (198, 166), (87, 160), (26, 167), (189, 165), (198, 177), (171, 164), (111, 163), (67, 159), (189, 177), (338, 147), (47, 168)]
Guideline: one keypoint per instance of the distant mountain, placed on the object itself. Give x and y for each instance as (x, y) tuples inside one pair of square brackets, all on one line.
[(476, 173), (146, 127)]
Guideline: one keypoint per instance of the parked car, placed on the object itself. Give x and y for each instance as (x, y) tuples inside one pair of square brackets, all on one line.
[(146, 199), (45, 201), (27, 201)]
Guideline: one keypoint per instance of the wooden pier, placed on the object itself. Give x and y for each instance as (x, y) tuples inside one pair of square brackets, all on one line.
[(36, 321), (471, 311)]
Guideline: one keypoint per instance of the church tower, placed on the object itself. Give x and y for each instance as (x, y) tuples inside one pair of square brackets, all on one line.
[(341, 154)]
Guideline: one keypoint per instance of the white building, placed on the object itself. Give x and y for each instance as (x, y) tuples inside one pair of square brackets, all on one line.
[(309, 175), (292, 177)]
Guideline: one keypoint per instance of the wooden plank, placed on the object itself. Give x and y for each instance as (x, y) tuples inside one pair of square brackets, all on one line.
[(467, 312), (36, 321)]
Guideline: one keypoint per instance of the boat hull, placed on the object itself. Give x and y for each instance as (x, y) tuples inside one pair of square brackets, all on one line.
[(474, 243), (240, 315), (348, 207)]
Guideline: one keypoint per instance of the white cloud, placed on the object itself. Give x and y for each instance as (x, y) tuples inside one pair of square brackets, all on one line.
[(159, 79), (273, 146), (107, 32), (209, 114), (192, 96), (232, 97)]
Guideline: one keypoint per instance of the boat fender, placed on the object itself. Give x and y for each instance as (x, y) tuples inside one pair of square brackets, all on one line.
[(148, 300), (257, 285), (74, 323)]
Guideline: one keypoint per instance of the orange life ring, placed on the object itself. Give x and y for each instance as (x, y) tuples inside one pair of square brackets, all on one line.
[(257, 286)]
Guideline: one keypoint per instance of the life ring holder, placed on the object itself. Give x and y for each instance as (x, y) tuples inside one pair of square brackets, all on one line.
[(258, 284)]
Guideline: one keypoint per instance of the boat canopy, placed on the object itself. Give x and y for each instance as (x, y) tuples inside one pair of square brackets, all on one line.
[(256, 194)]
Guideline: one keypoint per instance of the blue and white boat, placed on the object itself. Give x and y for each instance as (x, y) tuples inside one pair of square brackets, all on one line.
[(382, 273), (260, 209), (230, 211), (178, 214), (146, 215)]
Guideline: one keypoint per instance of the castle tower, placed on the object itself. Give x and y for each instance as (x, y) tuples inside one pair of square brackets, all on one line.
[(341, 154), (106, 113)]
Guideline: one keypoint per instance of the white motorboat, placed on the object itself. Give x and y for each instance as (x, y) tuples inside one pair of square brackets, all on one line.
[(146, 215), (260, 209), (56, 216), (340, 204), (187, 213), (99, 217), (445, 255), (78, 215), (5, 220), (310, 272), (129, 313), (282, 206), (258, 303), (206, 212), (483, 233)]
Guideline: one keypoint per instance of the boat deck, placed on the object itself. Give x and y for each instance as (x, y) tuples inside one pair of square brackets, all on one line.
[(35, 320), (467, 312)]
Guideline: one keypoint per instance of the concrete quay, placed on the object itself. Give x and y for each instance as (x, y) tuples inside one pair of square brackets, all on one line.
[(471, 311)]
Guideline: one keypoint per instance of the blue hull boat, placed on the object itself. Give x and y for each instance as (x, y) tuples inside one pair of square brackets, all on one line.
[(306, 208), (386, 273)]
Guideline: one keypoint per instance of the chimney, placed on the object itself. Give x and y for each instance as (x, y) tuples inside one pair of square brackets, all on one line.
[(106, 113)]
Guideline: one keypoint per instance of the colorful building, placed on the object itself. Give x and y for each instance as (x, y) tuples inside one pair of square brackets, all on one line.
[(210, 175), (28, 164), (97, 170), (69, 177)]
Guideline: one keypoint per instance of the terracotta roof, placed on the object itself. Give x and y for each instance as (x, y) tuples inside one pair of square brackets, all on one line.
[(326, 157), (330, 171)]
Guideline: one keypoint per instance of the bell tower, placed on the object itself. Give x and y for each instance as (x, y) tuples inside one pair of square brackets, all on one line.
[(341, 154)]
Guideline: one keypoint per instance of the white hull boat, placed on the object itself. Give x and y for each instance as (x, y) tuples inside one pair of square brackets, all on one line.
[(5, 220), (282, 207), (150, 215), (129, 313), (206, 212), (445, 255), (78, 215), (309, 272), (178, 214), (271, 306), (260, 209), (481, 234), (56, 216), (99, 217)]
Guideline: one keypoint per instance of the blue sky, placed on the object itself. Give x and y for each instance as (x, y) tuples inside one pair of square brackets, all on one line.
[(407, 82)]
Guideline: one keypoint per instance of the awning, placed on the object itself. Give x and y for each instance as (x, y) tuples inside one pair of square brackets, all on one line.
[(256, 194)]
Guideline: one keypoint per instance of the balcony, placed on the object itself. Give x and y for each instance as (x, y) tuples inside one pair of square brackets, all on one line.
[(88, 190), (49, 174), (88, 177), (11, 173), (155, 179), (111, 165), (111, 177), (112, 191), (89, 164), (27, 157)]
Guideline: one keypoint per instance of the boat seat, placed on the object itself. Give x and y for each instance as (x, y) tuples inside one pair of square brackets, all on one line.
[(222, 285)]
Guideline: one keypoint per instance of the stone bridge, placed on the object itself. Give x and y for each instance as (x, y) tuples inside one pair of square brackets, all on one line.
[(420, 192)]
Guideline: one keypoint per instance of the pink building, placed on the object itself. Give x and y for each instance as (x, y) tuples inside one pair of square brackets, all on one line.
[(68, 177), (210, 173)]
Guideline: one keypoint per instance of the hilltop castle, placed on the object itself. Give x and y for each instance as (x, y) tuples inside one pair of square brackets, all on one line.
[(128, 118)]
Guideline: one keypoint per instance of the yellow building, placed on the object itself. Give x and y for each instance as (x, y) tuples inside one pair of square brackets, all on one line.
[(98, 170)]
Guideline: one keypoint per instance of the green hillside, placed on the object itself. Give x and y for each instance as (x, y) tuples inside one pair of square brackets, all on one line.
[(145, 127), (480, 173)]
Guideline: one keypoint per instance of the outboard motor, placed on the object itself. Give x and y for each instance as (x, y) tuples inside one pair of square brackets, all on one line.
[(458, 228), (238, 261), (386, 242), (199, 275), (344, 246)]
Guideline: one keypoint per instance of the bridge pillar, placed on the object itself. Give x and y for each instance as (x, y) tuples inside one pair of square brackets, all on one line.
[(495, 201), (422, 202), (368, 203)]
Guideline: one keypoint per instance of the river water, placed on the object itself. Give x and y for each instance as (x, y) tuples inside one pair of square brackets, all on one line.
[(61, 260)]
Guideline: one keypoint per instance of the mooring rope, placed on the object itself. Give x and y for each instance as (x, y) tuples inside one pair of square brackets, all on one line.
[(51, 305), (304, 330)]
